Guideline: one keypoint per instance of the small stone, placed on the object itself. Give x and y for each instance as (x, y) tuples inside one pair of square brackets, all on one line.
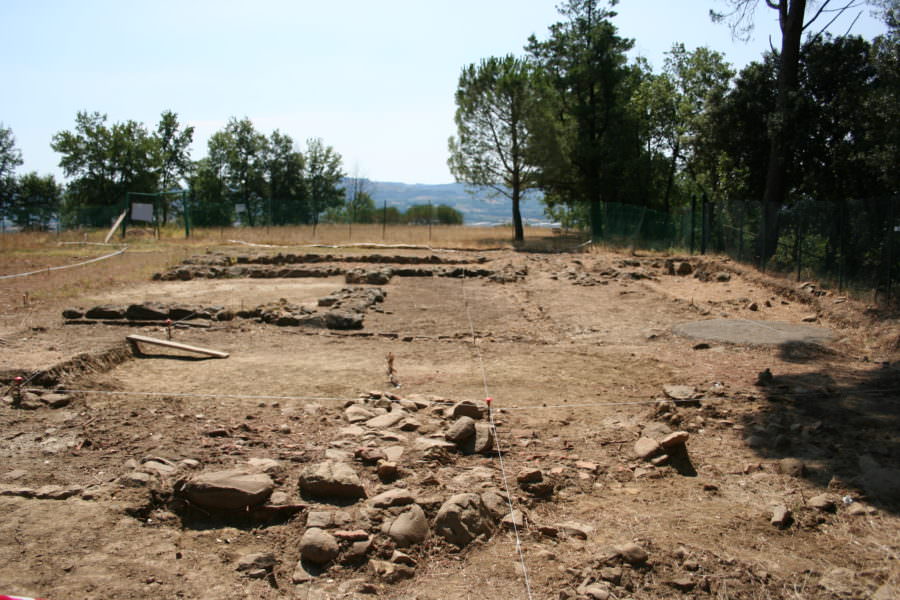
[(611, 574), (646, 447), (390, 572), (810, 318), (753, 306), (823, 502), (331, 480), (318, 546), (135, 479), (370, 455), (679, 392), (257, 560), (56, 400), (684, 268), (595, 591), (529, 476), (387, 470), (632, 553), (586, 466), (301, 574), (514, 520), (781, 516), (657, 461), (357, 535), (229, 490), (394, 497), (410, 528), (575, 529), (357, 551), (682, 584), (859, 509)]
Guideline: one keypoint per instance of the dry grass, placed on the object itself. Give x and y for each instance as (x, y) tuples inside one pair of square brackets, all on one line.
[(28, 299)]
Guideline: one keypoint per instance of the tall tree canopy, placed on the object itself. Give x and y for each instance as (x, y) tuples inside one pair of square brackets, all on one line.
[(174, 155), (10, 158), (580, 155), (793, 20), (495, 101), (323, 177), (237, 153), (106, 161)]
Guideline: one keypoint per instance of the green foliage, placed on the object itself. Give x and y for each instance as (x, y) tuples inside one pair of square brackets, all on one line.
[(37, 201), (323, 177), (423, 214), (287, 193), (174, 155), (106, 161), (237, 155), (10, 158), (211, 205), (586, 150), (496, 101)]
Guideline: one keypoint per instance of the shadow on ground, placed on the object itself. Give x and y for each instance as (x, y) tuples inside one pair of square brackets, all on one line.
[(843, 423)]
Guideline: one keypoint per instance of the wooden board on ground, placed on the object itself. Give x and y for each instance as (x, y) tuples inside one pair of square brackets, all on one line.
[(134, 339)]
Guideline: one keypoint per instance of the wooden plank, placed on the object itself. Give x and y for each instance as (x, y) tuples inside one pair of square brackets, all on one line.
[(134, 339), (112, 229)]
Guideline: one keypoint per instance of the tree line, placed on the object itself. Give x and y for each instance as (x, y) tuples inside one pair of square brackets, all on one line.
[(806, 136), (246, 177)]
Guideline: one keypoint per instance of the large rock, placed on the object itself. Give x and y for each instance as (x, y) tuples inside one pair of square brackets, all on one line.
[(342, 319), (462, 518), (476, 409), (387, 420), (229, 490), (331, 480), (356, 413), (318, 546), (480, 443), (461, 430), (105, 311), (646, 448), (147, 312), (410, 528)]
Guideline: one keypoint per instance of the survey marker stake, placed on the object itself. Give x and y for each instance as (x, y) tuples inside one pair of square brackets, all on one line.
[(134, 339)]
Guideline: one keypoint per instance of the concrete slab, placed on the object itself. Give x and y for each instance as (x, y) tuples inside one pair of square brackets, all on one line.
[(743, 331)]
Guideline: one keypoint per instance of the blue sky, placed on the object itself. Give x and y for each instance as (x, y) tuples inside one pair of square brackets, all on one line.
[(373, 79)]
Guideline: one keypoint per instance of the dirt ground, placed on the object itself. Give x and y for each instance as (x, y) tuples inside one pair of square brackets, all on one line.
[(576, 356)]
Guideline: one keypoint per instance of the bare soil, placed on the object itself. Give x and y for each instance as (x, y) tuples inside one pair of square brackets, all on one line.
[(575, 356)]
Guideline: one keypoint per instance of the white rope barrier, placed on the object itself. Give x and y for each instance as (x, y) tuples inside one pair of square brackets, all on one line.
[(60, 268)]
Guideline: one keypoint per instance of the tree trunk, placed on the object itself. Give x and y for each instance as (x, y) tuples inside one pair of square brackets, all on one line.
[(791, 15), (667, 200), (517, 214)]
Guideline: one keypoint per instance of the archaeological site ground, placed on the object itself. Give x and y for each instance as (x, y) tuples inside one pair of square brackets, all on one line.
[(443, 424)]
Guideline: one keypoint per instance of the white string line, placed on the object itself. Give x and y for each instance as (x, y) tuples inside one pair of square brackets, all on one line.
[(512, 515), (59, 268)]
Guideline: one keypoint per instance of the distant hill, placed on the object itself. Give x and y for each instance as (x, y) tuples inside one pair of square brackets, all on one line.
[(478, 209)]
